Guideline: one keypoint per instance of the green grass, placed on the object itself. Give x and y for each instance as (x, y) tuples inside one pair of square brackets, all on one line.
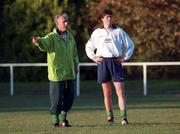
[(133, 87), (24, 114), (27, 111)]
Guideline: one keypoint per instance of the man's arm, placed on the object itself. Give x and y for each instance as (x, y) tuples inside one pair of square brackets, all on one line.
[(42, 42)]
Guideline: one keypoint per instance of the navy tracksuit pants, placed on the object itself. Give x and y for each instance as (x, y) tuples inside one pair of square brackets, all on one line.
[(61, 96)]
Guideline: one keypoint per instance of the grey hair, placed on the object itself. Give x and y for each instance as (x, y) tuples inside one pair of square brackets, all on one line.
[(60, 15)]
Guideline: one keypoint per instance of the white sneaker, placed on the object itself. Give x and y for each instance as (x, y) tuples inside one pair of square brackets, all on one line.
[(124, 121)]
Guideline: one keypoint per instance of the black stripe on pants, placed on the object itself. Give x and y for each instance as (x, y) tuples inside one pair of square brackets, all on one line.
[(61, 96)]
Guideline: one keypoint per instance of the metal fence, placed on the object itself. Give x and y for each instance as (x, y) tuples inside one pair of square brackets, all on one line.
[(143, 64)]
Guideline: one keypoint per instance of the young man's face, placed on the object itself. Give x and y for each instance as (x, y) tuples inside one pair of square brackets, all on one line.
[(62, 24), (107, 20)]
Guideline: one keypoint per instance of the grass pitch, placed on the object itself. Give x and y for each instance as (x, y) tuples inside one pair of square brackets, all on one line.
[(147, 115)]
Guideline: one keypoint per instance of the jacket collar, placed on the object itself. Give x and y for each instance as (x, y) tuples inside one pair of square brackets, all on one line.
[(112, 27)]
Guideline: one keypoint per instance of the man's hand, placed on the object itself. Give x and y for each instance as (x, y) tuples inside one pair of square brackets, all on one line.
[(120, 59), (97, 59), (34, 39)]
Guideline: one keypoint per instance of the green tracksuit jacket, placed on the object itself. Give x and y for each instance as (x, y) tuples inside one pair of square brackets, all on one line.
[(62, 57)]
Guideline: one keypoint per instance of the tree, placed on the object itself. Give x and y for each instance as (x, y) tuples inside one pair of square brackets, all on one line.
[(152, 24)]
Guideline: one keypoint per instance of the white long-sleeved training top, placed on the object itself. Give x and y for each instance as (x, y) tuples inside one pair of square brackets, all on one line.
[(113, 42)]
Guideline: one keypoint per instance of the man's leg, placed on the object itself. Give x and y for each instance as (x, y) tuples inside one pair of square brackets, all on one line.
[(68, 98), (119, 87), (107, 91), (55, 94)]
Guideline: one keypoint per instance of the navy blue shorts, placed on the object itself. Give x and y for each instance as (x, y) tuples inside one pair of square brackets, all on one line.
[(110, 70)]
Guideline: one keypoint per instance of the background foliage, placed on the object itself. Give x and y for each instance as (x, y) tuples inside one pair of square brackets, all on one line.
[(153, 25)]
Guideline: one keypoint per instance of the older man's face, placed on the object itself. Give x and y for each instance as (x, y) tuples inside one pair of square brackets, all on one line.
[(62, 24)]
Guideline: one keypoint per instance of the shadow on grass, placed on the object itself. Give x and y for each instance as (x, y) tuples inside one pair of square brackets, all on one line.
[(79, 108), (85, 102)]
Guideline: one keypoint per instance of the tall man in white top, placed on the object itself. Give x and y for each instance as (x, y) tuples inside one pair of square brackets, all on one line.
[(109, 46)]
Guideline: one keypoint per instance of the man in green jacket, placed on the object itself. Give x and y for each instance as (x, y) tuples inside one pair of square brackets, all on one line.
[(62, 59)]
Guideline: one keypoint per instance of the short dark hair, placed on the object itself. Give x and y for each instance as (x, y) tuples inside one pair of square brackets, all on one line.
[(106, 12)]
